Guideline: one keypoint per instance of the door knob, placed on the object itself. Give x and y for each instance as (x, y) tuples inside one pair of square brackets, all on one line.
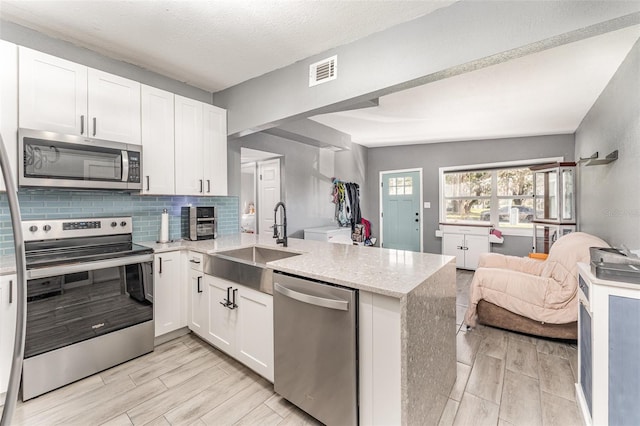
[(417, 220)]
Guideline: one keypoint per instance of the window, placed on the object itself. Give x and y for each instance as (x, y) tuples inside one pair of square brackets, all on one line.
[(500, 194), (401, 186)]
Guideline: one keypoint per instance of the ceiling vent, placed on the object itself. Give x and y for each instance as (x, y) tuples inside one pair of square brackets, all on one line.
[(323, 71)]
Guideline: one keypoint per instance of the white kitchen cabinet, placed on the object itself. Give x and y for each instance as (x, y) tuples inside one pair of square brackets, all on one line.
[(254, 331), (114, 107), (64, 97), (200, 148), (157, 141), (608, 388), (222, 324), (466, 243), (9, 103), (167, 292), (189, 146), (241, 324), (215, 150), (8, 310), (53, 94), (197, 311)]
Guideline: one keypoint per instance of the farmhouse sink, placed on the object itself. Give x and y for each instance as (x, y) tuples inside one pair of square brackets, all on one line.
[(246, 266), (260, 255)]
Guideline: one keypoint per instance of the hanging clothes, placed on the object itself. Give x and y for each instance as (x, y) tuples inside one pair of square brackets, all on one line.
[(346, 196)]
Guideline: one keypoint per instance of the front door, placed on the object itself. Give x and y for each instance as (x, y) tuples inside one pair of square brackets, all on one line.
[(401, 210)]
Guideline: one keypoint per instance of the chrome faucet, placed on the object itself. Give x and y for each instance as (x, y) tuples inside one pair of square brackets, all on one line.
[(276, 234)]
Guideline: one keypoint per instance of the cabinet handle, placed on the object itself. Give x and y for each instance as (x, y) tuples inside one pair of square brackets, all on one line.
[(194, 261), (82, 124), (160, 266), (10, 291), (148, 188), (201, 186), (233, 305), (199, 281), (94, 126), (208, 186), (226, 303), (465, 248)]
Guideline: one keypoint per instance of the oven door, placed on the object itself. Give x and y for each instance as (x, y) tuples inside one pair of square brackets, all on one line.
[(52, 160), (72, 306)]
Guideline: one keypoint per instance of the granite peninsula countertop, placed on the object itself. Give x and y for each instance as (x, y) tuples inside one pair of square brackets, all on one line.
[(389, 272)]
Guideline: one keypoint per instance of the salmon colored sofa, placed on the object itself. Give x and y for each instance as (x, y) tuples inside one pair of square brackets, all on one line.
[(529, 295)]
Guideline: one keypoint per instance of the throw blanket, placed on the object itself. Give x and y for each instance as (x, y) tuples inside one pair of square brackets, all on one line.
[(545, 291)]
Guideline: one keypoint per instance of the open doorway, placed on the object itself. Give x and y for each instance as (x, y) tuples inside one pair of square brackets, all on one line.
[(260, 189)]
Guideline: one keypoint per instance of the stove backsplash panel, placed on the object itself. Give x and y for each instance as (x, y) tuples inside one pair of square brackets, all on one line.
[(146, 211)]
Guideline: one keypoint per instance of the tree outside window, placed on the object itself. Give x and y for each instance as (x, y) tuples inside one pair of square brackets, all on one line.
[(502, 197)]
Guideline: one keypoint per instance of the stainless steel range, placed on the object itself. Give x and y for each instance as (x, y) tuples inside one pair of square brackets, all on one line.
[(89, 300)]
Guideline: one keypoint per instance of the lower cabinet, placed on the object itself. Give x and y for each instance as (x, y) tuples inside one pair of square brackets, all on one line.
[(237, 320), (168, 306), (466, 243), (197, 301), (608, 388), (8, 312)]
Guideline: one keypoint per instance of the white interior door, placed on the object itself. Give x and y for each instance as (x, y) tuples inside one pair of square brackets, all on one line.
[(268, 193)]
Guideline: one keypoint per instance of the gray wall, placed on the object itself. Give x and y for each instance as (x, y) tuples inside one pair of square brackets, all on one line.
[(609, 200), (306, 180), (23, 36), (430, 157)]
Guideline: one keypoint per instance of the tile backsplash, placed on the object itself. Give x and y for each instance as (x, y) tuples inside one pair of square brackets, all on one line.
[(145, 210)]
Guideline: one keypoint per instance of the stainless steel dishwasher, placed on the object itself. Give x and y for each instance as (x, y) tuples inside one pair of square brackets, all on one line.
[(315, 345)]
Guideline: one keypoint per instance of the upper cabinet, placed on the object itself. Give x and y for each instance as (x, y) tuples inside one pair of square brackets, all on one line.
[(64, 97), (114, 107), (157, 141), (200, 148), (9, 104), (215, 150)]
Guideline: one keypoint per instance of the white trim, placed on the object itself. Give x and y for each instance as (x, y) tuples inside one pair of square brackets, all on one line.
[(502, 164), (497, 165), (384, 172)]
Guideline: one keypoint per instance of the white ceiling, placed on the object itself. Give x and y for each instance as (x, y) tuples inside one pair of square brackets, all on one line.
[(544, 93), (212, 44)]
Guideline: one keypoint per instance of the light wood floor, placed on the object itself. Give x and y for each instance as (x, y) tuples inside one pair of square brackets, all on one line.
[(503, 379)]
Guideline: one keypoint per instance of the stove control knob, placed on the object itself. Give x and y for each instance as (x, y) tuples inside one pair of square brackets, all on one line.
[(33, 228), (47, 228), (114, 224), (123, 223)]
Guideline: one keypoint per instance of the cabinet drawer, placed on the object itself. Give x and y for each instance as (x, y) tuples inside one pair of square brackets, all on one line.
[(196, 261)]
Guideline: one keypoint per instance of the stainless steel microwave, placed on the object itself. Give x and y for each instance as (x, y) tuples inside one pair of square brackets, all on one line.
[(49, 159)]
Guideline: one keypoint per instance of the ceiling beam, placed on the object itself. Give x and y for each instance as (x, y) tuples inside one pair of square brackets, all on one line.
[(460, 38), (312, 133)]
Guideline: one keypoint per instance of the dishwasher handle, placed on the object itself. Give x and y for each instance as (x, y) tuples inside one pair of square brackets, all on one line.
[(341, 305)]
